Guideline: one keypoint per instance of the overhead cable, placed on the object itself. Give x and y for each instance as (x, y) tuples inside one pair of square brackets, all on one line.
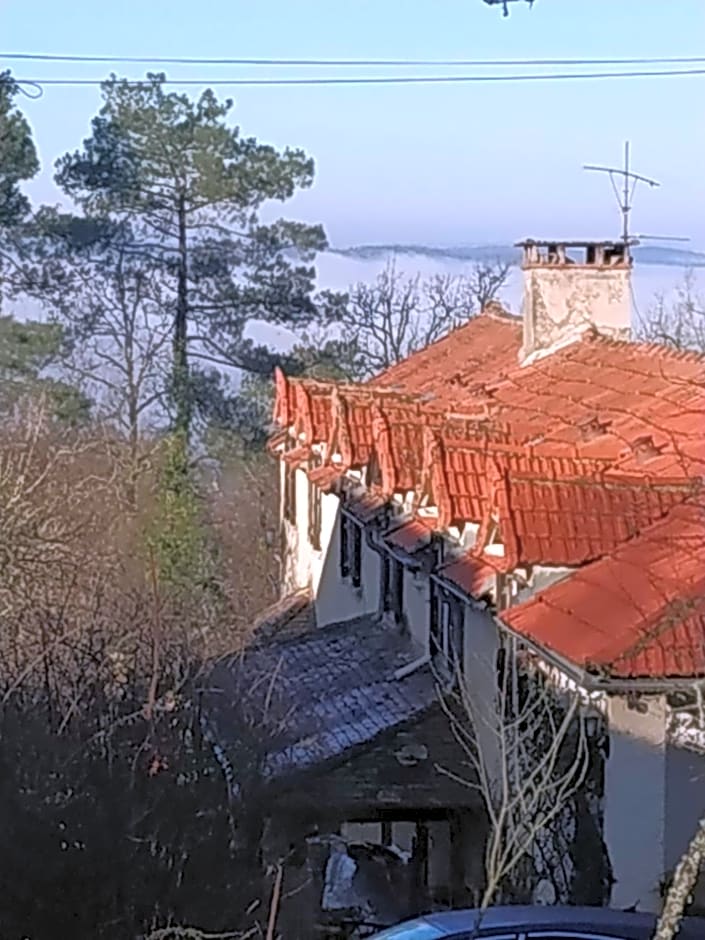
[(371, 80), (362, 62)]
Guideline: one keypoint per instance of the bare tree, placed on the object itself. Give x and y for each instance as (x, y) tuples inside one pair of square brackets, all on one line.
[(245, 528), (529, 755), (684, 880), (687, 726), (121, 336), (396, 315), (101, 670), (679, 323), (115, 312)]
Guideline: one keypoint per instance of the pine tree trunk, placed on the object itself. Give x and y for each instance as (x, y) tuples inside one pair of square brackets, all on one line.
[(684, 879), (182, 390)]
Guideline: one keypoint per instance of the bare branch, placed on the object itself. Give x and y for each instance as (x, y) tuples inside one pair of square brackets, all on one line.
[(396, 315), (528, 751)]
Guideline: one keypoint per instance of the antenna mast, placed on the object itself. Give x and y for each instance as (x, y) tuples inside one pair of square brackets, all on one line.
[(625, 198)]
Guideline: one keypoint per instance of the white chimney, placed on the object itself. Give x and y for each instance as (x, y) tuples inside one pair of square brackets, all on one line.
[(570, 286)]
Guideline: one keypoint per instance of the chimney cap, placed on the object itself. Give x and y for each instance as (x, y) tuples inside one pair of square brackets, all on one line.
[(574, 243)]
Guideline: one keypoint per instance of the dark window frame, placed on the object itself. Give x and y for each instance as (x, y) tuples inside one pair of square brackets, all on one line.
[(447, 628), (373, 470), (315, 516), (392, 587), (290, 494), (350, 550)]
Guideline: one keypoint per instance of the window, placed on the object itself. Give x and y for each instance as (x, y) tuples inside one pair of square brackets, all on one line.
[(507, 591), (373, 472), (392, 587), (314, 516), (290, 494), (447, 623), (501, 667), (350, 550)]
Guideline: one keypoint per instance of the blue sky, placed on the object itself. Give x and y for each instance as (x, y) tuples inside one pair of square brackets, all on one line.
[(435, 164)]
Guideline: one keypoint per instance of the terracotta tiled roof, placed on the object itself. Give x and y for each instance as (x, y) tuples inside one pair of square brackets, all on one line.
[(571, 456), (366, 506), (640, 405), (474, 576), (479, 351), (560, 511), (553, 504), (639, 612), (574, 521), (324, 477), (411, 536)]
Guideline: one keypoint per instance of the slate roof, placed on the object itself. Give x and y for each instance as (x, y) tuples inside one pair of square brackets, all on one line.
[(289, 617), (314, 698)]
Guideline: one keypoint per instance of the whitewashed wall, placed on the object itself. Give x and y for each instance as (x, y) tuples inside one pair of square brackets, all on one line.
[(417, 609), (654, 791), (336, 598), (298, 561), (330, 505), (480, 645), (635, 800), (685, 803)]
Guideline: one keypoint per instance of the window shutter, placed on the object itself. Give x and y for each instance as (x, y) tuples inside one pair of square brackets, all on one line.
[(344, 546), (357, 556)]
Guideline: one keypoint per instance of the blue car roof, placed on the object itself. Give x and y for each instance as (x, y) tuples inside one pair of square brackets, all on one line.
[(514, 916)]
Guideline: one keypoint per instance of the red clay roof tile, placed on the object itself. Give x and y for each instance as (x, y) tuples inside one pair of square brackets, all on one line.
[(366, 506), (472, 575), (639, 612), (295, 456), (478, 351), (411, 537), (570, 522), (324, 476), (575, 454)]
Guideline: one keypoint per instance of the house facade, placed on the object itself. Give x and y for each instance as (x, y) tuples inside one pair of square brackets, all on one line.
[(531, 484)]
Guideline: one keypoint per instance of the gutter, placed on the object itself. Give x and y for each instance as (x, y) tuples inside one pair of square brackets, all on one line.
[(451, 588), (592, 683), (586, 680), (412, 667), (370, 539)]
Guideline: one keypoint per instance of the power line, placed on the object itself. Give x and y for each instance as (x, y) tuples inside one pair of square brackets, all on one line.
[(450, 63), (364, 80)]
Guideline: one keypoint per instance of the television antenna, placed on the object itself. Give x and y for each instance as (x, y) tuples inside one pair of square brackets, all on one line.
[(662, 238), (503, 4), (625, 194)]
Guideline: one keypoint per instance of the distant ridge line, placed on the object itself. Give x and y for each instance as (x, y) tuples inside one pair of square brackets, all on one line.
[(643, 254)]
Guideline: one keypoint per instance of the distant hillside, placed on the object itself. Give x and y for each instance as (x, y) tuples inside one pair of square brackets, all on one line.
[(643, 254), (680, 257), (453, 253)]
